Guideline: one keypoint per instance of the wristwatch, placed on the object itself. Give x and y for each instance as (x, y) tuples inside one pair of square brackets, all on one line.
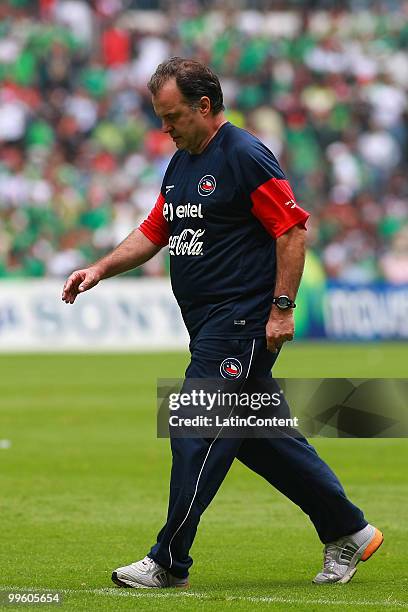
[(283, 302)]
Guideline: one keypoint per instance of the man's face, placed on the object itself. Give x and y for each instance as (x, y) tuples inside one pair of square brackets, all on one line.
[(186, 126)]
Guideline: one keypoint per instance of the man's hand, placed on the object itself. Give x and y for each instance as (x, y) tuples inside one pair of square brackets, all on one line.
[(78, 282), (280, 328), (134, 251)]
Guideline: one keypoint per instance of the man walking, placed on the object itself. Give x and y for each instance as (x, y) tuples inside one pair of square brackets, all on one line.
[(236, 241)]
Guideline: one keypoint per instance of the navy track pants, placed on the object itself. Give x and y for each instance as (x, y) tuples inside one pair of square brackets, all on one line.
[(288, 463)]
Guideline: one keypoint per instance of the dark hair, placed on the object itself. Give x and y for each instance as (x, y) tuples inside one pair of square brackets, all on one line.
[(193, 79)]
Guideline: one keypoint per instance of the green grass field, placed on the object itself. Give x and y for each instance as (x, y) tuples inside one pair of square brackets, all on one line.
[(84, 489)]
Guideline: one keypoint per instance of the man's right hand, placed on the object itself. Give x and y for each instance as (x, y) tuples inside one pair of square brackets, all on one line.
[(78, 282)]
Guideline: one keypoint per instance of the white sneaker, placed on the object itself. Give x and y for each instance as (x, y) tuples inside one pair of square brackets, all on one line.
[(146, 574), (342, 556)]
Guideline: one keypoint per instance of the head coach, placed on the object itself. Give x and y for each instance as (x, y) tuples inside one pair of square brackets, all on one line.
[(236, 239)]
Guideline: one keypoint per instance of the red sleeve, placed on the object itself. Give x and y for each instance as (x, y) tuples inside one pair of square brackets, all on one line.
[(274, 204), (155, 227)]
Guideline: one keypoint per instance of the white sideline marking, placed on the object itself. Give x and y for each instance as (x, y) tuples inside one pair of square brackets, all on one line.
[(149, 594)]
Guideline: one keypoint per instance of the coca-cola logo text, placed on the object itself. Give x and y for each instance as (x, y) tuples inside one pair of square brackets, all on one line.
[(187, 243)]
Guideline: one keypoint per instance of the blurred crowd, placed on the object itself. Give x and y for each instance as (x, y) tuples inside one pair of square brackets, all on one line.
[(82, 155)]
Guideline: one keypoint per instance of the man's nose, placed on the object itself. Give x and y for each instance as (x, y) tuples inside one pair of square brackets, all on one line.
[(166, 128)]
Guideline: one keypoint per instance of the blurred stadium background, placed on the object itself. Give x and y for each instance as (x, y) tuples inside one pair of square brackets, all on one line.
[(323, 83)]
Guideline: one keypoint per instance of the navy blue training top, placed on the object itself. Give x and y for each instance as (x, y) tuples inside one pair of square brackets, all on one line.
[(220, 212)]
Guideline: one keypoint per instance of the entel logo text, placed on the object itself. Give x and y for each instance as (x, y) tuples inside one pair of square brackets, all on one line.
[(182, 211)]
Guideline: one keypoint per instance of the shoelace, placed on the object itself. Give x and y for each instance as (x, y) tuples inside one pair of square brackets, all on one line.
[(148, 562)]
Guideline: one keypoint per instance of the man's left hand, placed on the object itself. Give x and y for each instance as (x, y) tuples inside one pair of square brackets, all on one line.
[(279, 329)]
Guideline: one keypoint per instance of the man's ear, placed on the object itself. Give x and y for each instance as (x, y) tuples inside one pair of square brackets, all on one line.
[(205, 106)]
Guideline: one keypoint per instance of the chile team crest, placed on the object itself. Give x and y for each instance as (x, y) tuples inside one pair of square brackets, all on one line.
[(207, 185), (231, 368)]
